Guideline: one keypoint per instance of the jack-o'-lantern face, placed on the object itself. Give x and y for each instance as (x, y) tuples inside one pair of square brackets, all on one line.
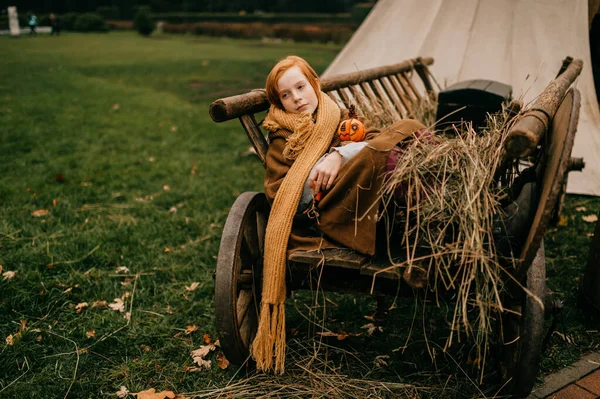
[(351, 130)]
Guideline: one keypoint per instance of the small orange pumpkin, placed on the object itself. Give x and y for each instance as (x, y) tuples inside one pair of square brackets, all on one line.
[(351, 129)]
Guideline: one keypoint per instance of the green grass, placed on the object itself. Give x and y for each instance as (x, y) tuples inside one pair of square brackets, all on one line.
[(110, 133)]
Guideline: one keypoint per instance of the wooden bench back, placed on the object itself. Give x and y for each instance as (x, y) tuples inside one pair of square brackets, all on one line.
[(391, 90)]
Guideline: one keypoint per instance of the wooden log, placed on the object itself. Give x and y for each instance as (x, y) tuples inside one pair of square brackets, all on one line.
[(591, 277), (255, 101), (527, 132)]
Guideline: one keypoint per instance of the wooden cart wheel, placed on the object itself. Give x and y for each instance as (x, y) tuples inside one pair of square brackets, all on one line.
[(238, 276), (523, 332)]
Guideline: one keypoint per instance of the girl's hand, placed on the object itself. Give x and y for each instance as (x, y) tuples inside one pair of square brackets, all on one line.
[(324, 174)]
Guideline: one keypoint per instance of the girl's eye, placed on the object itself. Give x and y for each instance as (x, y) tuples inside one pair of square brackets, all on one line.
[(300, 87), (284, 95)]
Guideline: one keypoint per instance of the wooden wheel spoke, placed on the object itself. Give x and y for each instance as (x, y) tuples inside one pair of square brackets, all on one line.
[(250, 235)]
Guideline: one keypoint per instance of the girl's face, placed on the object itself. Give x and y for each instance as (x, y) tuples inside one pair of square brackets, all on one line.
[(295, 92)]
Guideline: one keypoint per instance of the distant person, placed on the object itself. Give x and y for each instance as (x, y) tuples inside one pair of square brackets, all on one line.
[(52, 20), (32, 24)]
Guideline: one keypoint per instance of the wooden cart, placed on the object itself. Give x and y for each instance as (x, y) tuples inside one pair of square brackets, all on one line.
[(549, 130)]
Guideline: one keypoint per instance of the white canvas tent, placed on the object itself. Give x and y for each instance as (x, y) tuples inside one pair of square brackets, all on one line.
[(518, 42)]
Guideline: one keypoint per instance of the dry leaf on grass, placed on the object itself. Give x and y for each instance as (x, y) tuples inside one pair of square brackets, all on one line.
[(8, 275), (340, 336), (152, 394), (590, 218), (563, 221), (116, 107), (222, 361), (0, 269), (119, 305), (207, 339), (40, 212), (122, 269), (166, 187), (99, 304), (122, 392), (381, 361), (581, 209), (80, 306), (372, 328), (190, 329), (90, 334), (202, 351), (10, 340), (192, 287)]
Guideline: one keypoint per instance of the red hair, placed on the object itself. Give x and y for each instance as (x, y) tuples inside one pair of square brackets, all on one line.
[(280, 68)]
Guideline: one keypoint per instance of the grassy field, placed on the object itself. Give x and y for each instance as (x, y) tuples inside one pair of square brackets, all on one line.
[(110, 161)]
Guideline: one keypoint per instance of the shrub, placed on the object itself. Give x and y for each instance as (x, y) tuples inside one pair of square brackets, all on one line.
[(68, 20), (90, 22), (143, 22)]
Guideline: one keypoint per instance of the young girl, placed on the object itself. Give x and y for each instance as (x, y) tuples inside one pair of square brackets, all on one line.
[(305, 157)]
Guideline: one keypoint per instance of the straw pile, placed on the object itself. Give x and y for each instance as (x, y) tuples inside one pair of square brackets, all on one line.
[(311, 373), (446, 215)]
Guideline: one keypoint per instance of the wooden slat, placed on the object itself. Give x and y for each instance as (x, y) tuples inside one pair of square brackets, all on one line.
[(343, 257), (382, 270), (393, 96), (360, 97), (411, 85), (344, 97), (385, 100), (424, 75), (402, 93), (256, 136)]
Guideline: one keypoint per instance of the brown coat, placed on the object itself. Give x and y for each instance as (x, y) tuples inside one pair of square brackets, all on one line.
[(348, 212)]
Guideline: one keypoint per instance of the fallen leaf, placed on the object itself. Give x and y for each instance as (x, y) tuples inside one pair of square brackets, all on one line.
[(80, 306), (152, 394), (372, 328), (126, 295), (167, 249), (116, 107), (340, 336), (122, 392), (166, 187), (38, 338), (151, 159), (207, 339), (126, 282), (40, 212), (190, 329), (23, 325), (173, 128), (581, 209), (0, 269), (99, 304), (589, 234), (198, 355), (217, 343), (127, 316), (122, 269), (54, 202), (173, 210), (563, 221), (205, 62), (192, 369), (10, 340), (8, 275), (90, 334), (590, 218), (192, 287), (146, 348), (222, 361), (119, 305), (381, 361)]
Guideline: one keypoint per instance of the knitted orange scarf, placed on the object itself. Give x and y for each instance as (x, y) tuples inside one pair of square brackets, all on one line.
[(309, 141)]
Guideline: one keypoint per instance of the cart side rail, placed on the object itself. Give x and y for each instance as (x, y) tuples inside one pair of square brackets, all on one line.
[(394, 88)]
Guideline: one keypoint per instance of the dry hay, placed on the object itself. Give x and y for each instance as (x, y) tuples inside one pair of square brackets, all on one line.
[(311, 373), (451, 201)]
